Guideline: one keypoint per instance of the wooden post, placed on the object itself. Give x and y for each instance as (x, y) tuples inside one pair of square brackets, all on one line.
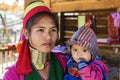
[(59, 24), (47, 2), (1, 61), (26, 2), (61, 27), (6, 58)]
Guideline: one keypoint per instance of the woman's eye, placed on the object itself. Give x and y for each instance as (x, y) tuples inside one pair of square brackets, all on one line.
[(41, 30), (84, 50), (54, 30)]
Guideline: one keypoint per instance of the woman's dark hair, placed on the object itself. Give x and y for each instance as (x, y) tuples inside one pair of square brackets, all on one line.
[(34, 19)]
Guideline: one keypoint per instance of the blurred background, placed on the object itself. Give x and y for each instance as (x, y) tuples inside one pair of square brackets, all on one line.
[(11, 16)]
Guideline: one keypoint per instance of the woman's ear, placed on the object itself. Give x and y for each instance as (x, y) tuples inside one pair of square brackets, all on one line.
[(25, 33)]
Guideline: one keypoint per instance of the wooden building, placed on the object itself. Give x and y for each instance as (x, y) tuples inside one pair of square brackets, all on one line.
[(69, 10)]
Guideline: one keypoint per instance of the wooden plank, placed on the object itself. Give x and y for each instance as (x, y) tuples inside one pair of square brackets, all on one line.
[(102, 30), (70, 24), (109, 45), (102, 11), (68, 37), (101, 18), (61, 27), (68, 33), (53, 1), (101, 22), (47, 2), (83, 5), (70, 28), (67, 0), (26, 2), (1, 60), (70, 21)]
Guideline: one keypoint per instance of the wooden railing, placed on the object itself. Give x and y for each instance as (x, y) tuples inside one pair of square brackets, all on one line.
[(116, 47), (7, 57)]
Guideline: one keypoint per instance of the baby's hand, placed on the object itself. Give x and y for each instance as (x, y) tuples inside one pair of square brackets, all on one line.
[(82, 64)]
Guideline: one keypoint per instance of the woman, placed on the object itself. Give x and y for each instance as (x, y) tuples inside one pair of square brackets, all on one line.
[(36, 61)]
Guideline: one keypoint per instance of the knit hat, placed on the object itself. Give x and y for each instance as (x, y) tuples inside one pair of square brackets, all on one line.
[(86, 38), (24, 60)]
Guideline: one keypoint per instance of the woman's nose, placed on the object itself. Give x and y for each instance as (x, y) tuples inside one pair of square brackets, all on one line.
[(48, 35)]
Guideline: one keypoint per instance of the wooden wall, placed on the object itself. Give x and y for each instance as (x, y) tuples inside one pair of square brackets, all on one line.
[(69, 23), (78, 5), (82, 5), (68, 26)]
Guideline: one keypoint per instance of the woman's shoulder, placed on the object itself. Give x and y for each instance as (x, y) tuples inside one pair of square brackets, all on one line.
[(60, 56), (62, 60), (11, 74)]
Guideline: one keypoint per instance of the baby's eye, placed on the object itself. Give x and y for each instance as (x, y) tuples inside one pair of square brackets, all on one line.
[(84, 50), (75, 50)]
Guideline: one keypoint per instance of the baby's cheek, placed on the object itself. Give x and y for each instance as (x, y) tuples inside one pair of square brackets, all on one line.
[(74, 56)]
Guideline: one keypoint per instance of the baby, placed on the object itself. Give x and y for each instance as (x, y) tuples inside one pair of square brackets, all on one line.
[(82, 65)]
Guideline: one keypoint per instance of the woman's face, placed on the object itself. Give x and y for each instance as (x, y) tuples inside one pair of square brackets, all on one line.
[(43, 34), (79, 53)]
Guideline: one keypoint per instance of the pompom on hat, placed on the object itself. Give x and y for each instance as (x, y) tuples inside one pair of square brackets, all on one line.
[(86, 38), (24, 60)]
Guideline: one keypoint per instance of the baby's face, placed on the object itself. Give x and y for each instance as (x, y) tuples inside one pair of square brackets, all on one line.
[(79, 53)]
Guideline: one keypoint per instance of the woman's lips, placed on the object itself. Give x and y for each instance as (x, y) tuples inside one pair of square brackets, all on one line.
[(47, 44)]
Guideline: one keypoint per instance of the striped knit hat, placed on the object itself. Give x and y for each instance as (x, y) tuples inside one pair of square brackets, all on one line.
[(86, 38), (24, 60)]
